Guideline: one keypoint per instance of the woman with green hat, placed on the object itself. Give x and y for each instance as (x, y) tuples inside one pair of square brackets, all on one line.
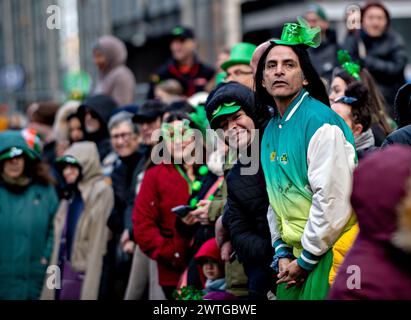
[(28, 205)]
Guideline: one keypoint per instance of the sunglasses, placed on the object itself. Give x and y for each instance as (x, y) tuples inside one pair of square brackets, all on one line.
[(346, 100)]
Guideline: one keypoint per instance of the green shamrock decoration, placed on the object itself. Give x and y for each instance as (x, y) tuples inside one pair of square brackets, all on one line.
[(188, 293), (352, 68)]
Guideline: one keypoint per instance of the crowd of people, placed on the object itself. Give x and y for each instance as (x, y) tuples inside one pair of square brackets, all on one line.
[(270, 176)]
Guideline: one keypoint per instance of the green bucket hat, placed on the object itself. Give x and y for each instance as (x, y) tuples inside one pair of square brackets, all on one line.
[(241, 53), (224, 109), (13, 153), (300, 33)]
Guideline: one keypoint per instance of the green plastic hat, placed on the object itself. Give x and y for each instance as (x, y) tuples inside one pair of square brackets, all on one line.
[(241, 53), (12, 153), (224, 109), (300, 33)]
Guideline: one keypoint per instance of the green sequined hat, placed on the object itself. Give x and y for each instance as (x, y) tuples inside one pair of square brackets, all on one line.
[(299, 33)]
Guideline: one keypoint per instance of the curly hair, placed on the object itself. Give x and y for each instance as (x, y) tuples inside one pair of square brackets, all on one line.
[(360, 109), (378, 105)]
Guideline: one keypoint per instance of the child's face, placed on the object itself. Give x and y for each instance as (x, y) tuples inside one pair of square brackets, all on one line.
[(212, 271)]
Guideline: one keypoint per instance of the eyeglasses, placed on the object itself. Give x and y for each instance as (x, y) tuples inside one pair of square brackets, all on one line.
[(346, 100), (123, 136)]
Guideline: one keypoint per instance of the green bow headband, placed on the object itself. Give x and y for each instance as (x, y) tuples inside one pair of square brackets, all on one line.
[(199, 117), (352, 68), (177, 132), (300, 33)]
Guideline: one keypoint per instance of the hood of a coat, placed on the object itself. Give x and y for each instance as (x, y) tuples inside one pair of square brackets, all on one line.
[(402, 106), (209, 250), (379, 186), (102, 105), (87, 155), (114, 50), (60, 127)]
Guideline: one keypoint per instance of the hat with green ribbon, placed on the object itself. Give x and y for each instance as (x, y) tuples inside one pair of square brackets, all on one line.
[(241, 53), (224, 109), (352, 68), (300, 33)]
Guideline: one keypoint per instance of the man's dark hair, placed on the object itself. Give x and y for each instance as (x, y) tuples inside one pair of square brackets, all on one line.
[(315, 85)]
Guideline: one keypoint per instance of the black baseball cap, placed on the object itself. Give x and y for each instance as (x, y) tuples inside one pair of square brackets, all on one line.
[(182, 32), (149, 111)]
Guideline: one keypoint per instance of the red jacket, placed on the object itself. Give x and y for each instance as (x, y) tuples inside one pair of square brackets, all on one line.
[(154, 229)]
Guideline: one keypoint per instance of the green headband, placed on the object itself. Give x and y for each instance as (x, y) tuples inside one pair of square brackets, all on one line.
[(352, 68), (300, 33)]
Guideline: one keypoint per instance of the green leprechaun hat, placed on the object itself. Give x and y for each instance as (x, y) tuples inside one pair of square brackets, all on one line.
[(241, 53), (300, 34)]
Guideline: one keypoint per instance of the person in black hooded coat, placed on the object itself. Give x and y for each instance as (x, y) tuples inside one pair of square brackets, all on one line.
[(403, 118), (245, 214), (94, 114)]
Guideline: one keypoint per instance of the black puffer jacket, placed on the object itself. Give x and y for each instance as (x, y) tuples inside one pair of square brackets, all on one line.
[(246, 214), (386, 58), (400, 136)]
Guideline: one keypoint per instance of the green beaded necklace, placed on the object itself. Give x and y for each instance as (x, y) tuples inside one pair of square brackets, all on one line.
[(196, 184)]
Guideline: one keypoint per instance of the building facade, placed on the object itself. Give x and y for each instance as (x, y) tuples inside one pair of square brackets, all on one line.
[(29, 53)]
